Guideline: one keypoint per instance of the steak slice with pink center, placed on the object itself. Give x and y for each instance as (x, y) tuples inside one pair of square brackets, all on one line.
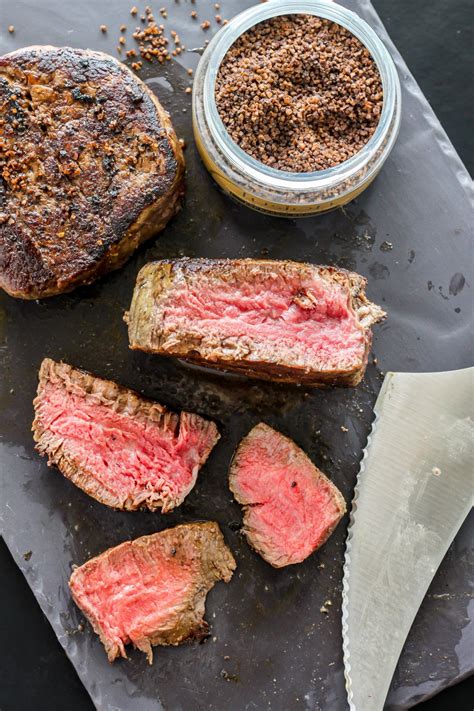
[(267, 319), (153, 590), (290, 507), (121, 449)]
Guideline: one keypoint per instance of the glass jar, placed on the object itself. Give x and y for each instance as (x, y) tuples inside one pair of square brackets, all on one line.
[(281, 192)]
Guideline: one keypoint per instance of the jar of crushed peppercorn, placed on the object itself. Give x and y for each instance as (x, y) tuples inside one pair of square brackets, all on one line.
[(295, 115)]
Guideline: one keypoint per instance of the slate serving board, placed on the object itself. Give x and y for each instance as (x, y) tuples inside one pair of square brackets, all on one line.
[(409, 233)]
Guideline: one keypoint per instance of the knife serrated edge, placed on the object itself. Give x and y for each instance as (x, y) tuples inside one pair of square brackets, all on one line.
[(347, 560)]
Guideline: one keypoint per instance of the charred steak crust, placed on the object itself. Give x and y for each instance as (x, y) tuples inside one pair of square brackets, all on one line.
[(286, 489), (154, 291), (123, 470), (90, 167), (159, 585)]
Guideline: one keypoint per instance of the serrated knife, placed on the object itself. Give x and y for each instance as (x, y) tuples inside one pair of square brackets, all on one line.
[(413, 492)]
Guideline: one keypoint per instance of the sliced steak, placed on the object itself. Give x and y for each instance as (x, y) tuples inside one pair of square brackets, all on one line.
[(121, 449), (285, 321), (90, 167), (153, 590), (290, 507)]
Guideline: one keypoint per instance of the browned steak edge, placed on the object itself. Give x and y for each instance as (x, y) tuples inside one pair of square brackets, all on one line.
[(369, 312), (141, 220), (217, 563), (118, 398)]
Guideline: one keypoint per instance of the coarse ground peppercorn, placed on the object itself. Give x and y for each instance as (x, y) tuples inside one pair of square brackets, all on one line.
[(299, 93), (152, 43)]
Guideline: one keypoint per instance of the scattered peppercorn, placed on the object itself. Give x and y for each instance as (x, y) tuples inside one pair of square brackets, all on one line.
[(152, 43), (218, 19), (299, 93), (123, 28), (190, 72), (217, 6), (11, 29), (103, 28), (188, 90), (205, 25), (194, 14)]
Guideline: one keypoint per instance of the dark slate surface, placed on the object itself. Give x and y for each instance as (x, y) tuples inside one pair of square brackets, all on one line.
[(285, 653)]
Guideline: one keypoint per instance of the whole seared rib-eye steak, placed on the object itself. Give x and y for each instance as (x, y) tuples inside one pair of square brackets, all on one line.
[(90, 167), (121, 449), (290, 507), (275, 320), (153, 590)]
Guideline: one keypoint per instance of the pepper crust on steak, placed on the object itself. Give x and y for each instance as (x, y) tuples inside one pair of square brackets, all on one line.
[(90, 167)]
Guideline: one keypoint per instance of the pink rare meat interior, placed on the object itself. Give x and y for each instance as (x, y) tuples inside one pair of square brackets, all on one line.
[(127, 456), (290, 506), (122, 449), (314, 317), (152, 590), (134, 592)]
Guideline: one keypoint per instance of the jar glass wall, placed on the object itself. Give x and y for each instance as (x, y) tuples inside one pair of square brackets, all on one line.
[(277, 191)]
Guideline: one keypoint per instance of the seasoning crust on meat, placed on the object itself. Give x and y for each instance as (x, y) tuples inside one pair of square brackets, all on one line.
[(276, 320), (90, 167)]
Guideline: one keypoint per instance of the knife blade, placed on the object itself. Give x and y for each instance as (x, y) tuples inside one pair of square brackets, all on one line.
[(413, 492)]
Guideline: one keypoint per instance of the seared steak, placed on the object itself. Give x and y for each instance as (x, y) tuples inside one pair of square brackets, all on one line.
[(274, 320), (121, 449), (290, 507), (153, 590), (90, 167)]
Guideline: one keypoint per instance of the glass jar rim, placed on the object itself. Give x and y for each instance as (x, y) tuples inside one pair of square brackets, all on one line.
[(287, 180)]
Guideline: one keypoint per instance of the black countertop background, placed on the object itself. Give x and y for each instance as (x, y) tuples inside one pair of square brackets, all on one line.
[(435, 38)]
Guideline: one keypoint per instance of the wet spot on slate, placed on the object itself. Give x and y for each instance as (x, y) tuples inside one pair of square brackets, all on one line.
[(411, 258), (379, 271), (456, 285)]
